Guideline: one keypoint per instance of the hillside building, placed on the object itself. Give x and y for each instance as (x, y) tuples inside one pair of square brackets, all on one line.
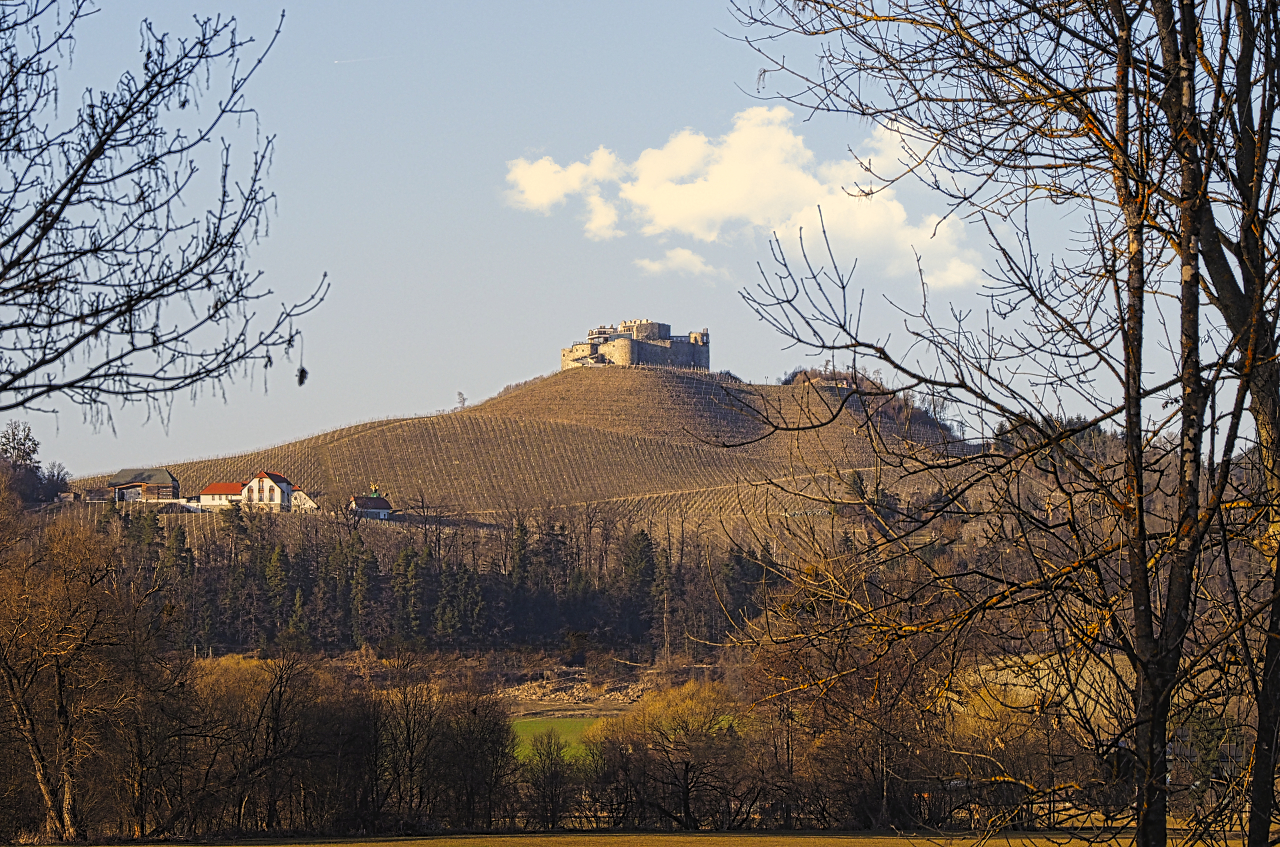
[(373, 506), (641, 342), (220, 495), (151, 484), (301, 501), (267, 490)]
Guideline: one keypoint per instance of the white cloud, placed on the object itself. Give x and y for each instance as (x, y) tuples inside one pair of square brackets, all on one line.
[(602, 217), (757, 179), (680, 260), (755, 176), (542, 184)]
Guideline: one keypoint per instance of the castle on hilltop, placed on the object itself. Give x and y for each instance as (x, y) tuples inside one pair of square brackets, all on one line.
[(641, 342)]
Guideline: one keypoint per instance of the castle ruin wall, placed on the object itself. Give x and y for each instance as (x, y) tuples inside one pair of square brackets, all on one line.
[(639, 343)]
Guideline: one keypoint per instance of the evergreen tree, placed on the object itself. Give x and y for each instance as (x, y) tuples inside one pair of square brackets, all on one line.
[(362, 599), (639, 559), (740, 579), (635, 595), (460, 610), (177, 558), (277, 580), (332, 616), (143, 538), (110, 515), (660, 604), (406, 591), (295, 636), (232, 520), (550, 559)]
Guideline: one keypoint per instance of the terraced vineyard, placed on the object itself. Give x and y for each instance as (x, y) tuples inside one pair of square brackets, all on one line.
[(643, 437)]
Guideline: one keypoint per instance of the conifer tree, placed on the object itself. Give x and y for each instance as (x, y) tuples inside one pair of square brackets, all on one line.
[(406, 589), (361, 591), (277, 579)]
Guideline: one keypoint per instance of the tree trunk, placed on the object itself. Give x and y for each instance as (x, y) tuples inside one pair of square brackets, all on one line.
[(39, 763), (70, 810), (1265, 390)]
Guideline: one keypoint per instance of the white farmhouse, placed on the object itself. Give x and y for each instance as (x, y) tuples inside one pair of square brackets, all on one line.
[(220, 495), (375, 508), (267, 490)]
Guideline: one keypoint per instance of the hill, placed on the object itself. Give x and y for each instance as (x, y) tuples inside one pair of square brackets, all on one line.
[(648, 437)]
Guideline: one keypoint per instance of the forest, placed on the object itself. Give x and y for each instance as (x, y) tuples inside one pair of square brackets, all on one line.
[(260, 580), (272, 673), (247, 676)]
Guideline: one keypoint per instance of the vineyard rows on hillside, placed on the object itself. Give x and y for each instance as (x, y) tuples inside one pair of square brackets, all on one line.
[(644, 437)]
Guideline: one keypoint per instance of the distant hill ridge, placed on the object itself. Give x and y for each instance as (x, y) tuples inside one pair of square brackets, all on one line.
[(607, 434)]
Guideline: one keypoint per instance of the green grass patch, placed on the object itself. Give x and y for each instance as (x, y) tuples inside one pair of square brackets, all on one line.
[(700, 839), (570, 730)]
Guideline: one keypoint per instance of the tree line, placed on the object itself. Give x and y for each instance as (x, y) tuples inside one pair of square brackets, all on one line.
[(260, 580), (282, 673), (121, 723)]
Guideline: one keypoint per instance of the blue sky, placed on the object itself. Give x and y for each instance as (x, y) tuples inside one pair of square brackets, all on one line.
[(483, 183)]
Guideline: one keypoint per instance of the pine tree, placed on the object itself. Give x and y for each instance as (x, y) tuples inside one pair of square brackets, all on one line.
[(460, 610), (660, 603), (406, 589), (447, 617), (177, 558), (331, 599), (277, 579), (295, 632), (232, 519), (639, 565), (361, 599)]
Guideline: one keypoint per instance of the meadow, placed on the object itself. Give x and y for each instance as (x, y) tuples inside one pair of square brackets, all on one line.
[(699, 839), (570, 729)]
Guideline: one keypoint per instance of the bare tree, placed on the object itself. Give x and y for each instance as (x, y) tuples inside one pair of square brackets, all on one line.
[(1052, 539), (58, 626), (550, 775), (123, 268), (677, 756), (1155, 122)]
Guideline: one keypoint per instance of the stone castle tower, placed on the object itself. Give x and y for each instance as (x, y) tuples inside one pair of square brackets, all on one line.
[(641, 342)]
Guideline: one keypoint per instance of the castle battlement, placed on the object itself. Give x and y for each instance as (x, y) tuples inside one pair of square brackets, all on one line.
[(642, 342)]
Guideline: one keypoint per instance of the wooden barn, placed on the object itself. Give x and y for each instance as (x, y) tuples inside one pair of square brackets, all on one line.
[(144, 484)]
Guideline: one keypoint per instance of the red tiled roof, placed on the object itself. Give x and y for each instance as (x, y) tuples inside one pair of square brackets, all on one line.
[(223, 488)]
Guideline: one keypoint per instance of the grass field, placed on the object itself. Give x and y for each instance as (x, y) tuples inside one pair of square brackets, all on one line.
[(570, 729), (704, 839)]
